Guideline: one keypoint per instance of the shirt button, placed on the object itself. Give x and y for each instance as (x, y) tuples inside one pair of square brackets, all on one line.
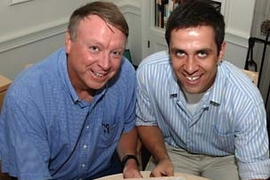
[(83, 165), (87, 127), (84, 146)]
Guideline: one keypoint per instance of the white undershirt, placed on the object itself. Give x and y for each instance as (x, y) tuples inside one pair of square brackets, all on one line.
[(193, 100)]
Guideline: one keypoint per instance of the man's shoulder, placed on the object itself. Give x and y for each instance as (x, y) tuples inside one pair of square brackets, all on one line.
[(161, 57), (233, 73), (237, 83), (41, 74), (158, 61)]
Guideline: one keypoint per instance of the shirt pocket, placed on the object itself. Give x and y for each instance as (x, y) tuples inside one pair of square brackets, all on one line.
[(224, 139), (109, 134)]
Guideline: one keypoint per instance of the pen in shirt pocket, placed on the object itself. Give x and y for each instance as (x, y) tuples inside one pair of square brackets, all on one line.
[(106, 128)]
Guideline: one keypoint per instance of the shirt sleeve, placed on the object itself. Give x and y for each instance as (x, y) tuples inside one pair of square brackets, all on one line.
[(23, 143), (252, 145), (144, 108), (129, 90)]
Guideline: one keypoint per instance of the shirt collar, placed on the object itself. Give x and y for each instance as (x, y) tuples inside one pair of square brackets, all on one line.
[(218, 89)]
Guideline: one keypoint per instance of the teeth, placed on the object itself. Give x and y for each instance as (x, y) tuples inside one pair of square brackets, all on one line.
[(98, 74), (193, 78)]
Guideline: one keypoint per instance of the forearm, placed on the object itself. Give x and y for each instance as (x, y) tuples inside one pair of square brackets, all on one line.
[(128, 155), (127, 144), (152, 139)]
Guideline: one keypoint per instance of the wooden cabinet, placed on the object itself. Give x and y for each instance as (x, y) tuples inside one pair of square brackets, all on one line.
[(4, 84)]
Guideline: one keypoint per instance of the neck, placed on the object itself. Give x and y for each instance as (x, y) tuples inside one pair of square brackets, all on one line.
[(192, 98)]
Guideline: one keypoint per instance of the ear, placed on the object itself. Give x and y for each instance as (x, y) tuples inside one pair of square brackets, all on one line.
[(68, 42), (222, 51)]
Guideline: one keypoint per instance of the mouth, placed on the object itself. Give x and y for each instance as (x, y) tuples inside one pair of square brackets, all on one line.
[(99, 75), (192, 78)]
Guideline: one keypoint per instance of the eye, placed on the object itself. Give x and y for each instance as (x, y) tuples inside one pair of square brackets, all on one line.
[(117, 54), (94, 49), (202, 54), (180, 53)]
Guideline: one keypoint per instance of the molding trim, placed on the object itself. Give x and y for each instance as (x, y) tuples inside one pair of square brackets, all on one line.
[(235, 38), (32, 35), (132, 8), (13, 2), (45, 31)]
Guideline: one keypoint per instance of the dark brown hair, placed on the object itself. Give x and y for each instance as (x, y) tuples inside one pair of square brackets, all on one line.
[(107, 11), (193, 13)]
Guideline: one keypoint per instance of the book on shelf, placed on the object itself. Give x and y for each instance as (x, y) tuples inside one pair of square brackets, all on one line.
[(159, 7), (163, 9)]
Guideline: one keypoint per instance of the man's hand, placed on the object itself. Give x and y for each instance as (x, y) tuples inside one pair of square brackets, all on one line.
[(163, 168), (131, 169)]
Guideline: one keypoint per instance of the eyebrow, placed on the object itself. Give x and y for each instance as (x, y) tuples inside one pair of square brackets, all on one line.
[(204, 50)]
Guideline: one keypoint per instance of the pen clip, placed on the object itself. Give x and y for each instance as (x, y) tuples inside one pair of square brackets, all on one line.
[(106, 128)]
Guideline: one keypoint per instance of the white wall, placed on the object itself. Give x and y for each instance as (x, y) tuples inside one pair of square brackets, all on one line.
[(30, 16), (238, 18), (32, 30)]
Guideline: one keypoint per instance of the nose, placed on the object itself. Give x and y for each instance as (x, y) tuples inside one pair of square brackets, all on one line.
[(191, 65), (104, 61)]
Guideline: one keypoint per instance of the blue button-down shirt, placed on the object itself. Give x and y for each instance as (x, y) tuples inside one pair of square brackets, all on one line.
[(46, 132), (229, 120)]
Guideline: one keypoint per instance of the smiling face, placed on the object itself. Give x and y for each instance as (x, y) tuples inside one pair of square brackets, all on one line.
[(95, 55), (195, 58)]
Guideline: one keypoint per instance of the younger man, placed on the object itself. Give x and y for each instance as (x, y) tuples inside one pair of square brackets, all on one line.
[(195, 113)]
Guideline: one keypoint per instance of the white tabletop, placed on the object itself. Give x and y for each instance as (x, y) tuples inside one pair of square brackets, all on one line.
[(177, 176)]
